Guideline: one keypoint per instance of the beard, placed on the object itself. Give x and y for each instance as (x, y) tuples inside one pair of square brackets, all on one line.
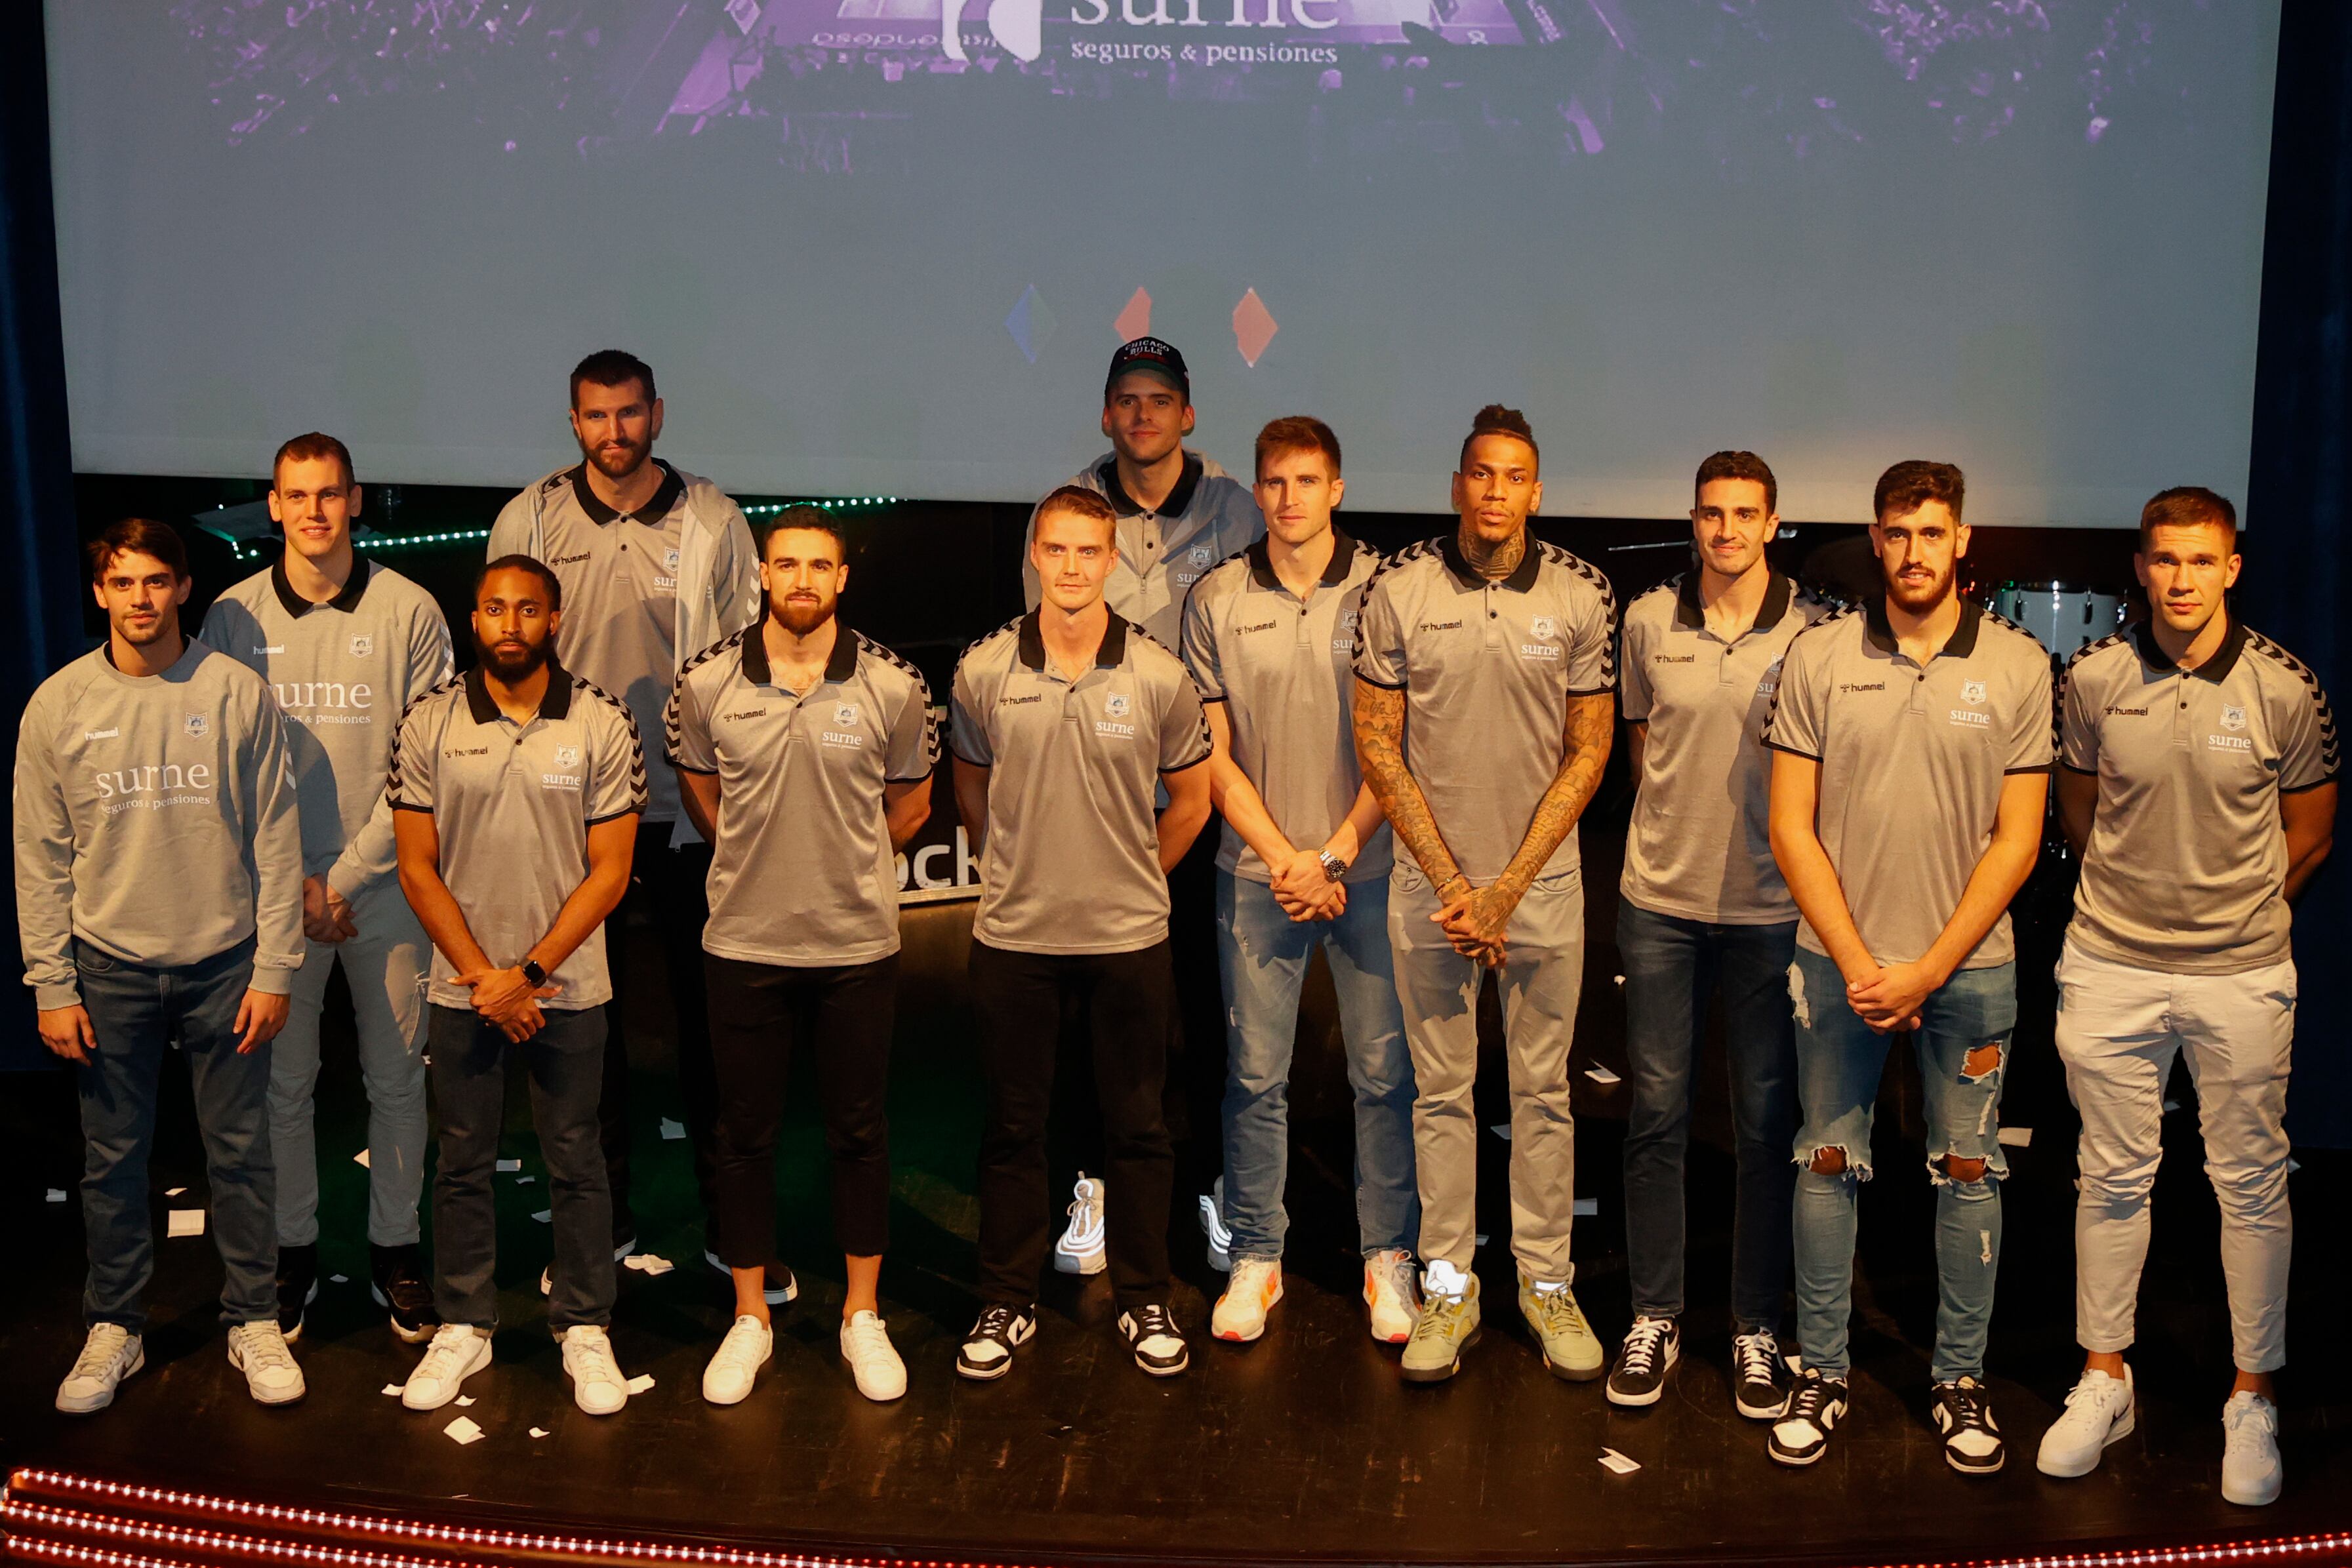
[(620, 463), (1917, 596), (800, 620), (142, 636), (510, 663)]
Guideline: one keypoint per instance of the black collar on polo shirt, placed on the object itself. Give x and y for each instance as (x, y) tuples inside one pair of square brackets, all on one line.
[(554, 704), (1691, 615), (2215, 669), (839, 664), (1522, 578), (650, 514), (1335, 570), (1109, 656), (354, 588), (1875, 627), (1178, 501)]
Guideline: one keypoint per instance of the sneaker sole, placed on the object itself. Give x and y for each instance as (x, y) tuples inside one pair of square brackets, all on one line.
[(2115, 1434), (2257, 1499), (1441, 1374), (1148, 1370), (1961, 1463), (1796, 1461), (138, 1360), (1577, 1374), (1762, 1412), (405, 1336), (1657, 1390)]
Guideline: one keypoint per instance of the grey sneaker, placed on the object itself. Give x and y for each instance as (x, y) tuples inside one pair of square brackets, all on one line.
[(1447, 1326), (258, 1350), (1571, 1350), (109, 1354)]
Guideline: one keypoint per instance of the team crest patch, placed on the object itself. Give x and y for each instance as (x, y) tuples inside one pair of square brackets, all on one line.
[(1972, 691), (2233, 718), (669, 561), (1543, 626), (363, 645), (1115, 705), (1201, 555), (196, 725), (846, 714), (567, 756)]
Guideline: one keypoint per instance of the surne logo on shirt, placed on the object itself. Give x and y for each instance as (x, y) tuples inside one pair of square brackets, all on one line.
[(1116, 707), (1970, 718), (2229, 743)]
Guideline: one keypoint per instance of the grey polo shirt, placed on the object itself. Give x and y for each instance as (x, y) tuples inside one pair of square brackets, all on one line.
[(513, 804), (1162, 552), (1281, 666), (1071, 863), (1912, 761), (2188, 857), (803, 872), (1699, 846), (1487, 667), (344, 671), (620, 601)]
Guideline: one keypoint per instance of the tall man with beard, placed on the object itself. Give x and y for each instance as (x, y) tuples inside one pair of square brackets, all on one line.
[(516, 790), (655, 565), (346, 644), (806, 754), (1913, 742)]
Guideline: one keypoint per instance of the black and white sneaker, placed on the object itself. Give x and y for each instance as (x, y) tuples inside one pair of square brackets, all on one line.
[(1963, 1415), (1759, 1376), (1652, 1347), (988, 1349), (1803, 1433), (400, 1289), (1158, 1344), (777, 1287), (298, 1287)]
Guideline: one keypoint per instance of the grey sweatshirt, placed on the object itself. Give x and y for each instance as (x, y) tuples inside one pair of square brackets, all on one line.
[(155, 820), (342, 672)]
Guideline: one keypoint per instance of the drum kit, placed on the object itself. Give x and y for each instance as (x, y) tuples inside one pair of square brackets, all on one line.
[(2064, 616)]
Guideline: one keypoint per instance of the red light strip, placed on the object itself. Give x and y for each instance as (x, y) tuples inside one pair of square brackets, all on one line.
[(22, 1513)]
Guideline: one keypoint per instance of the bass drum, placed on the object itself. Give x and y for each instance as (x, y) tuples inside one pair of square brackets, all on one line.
[(2063, 615)]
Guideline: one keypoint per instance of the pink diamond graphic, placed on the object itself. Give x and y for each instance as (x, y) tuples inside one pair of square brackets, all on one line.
[(1135, 321), (1254, 327)]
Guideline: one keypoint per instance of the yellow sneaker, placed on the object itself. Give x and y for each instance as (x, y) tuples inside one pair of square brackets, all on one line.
[(1447, 1326), (1571, 1350)]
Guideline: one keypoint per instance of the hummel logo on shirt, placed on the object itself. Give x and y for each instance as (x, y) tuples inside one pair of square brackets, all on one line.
[(102, 734)]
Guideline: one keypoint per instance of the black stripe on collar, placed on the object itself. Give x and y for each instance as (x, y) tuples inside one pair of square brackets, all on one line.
[(554, 704), (1881, 633), (1690, 615), (839, 664), (1334, 571), (354, 588), (2215, 669), (1109, 656), (1179, 501), (651, 514), (1522, 578)]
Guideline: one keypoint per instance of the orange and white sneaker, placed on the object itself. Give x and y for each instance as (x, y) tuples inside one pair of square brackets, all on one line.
[(1241, 1312), (1392, 1295)]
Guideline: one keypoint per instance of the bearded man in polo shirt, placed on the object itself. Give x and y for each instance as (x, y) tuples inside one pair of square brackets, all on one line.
[(1065, 723), (1913, 742), (2198, 782)]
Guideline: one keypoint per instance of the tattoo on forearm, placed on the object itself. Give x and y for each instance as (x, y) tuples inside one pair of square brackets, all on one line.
[(1379, 751), (1493, 561), (1591, 721)]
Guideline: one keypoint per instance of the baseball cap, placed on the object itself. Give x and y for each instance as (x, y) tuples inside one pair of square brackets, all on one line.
[(1152, 357)]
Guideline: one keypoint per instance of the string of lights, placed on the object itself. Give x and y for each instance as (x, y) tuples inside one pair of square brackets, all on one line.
[(375, 543)]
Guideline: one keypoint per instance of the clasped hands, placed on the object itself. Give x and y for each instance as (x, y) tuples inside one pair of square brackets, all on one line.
[(504, 998), (1888, 997), (1305, 891), (1475, 920)]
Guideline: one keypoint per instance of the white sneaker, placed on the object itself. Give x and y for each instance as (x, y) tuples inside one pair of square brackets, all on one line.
[(729, 1378), (1240, 1313), (2099, 1411), (597, 1385), (458, 1351), (1213, 1227), (258, 1350), (1392, 1295), (1080, 1250), (109, 1354), (2250, 1472), (872, 1361)]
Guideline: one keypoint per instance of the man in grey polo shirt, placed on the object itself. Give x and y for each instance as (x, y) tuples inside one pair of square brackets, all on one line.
[(1913, 742), (346, 645), (1065, 723), (1702, 907), (1303, 865), (805, 753), (2198, 782), (516, 790), (1484, 679), (656, 565)]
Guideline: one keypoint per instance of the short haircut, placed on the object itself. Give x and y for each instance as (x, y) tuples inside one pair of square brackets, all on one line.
[(612, 368), (137, 536), (309, 449), (1078, 498), (1912, 484), (520, 562), (2187, 507), (817, 519), (1738, 466), (1298, 433), (1496, 420)]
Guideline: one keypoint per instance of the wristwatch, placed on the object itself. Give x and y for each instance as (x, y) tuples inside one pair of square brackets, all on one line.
[(534, 972), (1333, 866)]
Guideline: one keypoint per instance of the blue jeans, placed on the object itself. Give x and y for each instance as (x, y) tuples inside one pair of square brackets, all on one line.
[(136, 1011), (566, 1063), (1839, 1063), (1671, 964), (1262, 954)]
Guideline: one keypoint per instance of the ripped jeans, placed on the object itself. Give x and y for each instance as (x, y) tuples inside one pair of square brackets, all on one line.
[(1839, 1063)]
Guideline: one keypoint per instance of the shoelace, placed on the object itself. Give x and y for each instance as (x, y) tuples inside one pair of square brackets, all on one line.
[(1757, 1352), (1082, 1208), (868, 1338), (2242, 1424), (100, 1350), (741, 1344), (441, 1356), (1811, 1395), (1967, 1403), (1152, 1323), (1437, 1316), (264, 1352), (2087, 1393), (1559, 1309), (996, 1323), (593, 1352), (1645, 1344)]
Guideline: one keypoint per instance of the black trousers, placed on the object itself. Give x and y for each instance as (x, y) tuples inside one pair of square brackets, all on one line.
[(668, 887), (762, 1013), (1126, 1000)]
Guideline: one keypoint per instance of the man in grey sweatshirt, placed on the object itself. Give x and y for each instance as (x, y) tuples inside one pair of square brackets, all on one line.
[(345, 645), (158, 898)]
